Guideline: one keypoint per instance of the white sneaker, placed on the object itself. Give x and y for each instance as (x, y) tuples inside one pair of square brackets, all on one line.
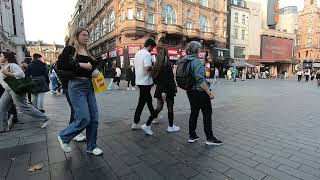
[(173, 129), (157, 120), (45, 124), (95, 151), (64, 146), (10, 122), (80, 137), (128, 89), (135, 126), (147, 129), (133, 89)]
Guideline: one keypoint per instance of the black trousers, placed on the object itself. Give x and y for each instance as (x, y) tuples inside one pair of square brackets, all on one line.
[(144, 97), (132, 83), (159, 108), (299, 78), (307, 77), (200, 100)]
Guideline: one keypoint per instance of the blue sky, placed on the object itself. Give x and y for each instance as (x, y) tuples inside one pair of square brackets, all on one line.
[(47, 19)]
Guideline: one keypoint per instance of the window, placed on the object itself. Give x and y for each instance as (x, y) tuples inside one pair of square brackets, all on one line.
[(104, 26), (92, 36), (169, 15), (239, 52), (216, 24), (244, 19), (298, 42), (243, 34), (236, 17), (139, 14), (309, 42), (285, 30), (96, 32), (150, 19), (130, 14), (299, 55), (204, 24), (150, 3), (112, 21), (204, 3), (235, 35)]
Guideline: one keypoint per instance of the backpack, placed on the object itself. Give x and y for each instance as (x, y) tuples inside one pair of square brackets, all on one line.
[(184, 77)]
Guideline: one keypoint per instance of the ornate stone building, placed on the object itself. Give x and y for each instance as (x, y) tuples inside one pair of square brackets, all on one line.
[(308, 37), (118, 28), (49, 52)]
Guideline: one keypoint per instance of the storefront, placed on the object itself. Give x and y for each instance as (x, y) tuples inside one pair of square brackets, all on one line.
[(307, 64), (132, 50), (316, 64), (221, 58)]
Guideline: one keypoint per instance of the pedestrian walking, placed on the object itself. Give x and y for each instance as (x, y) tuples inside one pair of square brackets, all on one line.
[(165, 91), (229, 74), (307, 74), (243, 74), (38, 71), (54, 81), (234, 74), (318, 77), (130, 77), (216, 75), (77, 59), (143, 69), (12, 69), (113, 77), (117, 78), (299, 73), (199, 97)]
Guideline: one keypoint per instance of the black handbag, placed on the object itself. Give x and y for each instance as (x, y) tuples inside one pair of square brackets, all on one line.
[(41, 85), (20, 86)]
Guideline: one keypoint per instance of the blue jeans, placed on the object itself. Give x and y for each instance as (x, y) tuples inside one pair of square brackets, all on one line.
[(83, 101), (54, 83)]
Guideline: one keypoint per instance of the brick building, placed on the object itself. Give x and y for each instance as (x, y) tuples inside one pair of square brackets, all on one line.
[(49, 52), (118, 29), (308, 38)]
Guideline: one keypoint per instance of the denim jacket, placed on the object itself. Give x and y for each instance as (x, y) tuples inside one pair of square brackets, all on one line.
[(198, 71)]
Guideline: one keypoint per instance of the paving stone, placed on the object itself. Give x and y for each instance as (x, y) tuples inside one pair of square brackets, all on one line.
[(265, 161), (287, 162), (244, 160), (274, 172), (296, 173), (234, 174), (310, 170)]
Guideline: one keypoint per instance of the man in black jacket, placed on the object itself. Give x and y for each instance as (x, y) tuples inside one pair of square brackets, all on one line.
[(38, 69)]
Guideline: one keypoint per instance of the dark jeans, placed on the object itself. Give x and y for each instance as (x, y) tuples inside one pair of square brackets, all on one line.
[(144, 97), (299, 78), (307, 77), (132, 83), (66, 93), (117, 80), (199, 100), (159, 108)]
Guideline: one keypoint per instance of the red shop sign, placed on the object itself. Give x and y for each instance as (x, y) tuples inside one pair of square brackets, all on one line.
[(173, 53), (120, 51), (202, 55), (154, 51), (113, 53), (133, 49), (183, 53)]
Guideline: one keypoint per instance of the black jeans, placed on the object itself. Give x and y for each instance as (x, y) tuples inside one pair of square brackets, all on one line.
[(200, 100), (159, 108), (299, 78), (144, 97), (132, 83), (66, 93), (307, 77)]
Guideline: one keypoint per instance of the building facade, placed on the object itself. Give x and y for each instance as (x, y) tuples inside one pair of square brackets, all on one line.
[(238, 28), (119, 29), (308, 37), (288, 20), (254, 34), (49, 52), (12, 34)]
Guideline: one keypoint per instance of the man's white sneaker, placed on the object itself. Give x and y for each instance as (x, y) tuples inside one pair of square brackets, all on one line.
[(157, 120), (64, 146), (128, 89), (96, 151), (80, 137), (173, 129), (135, 126), (133, 89), (147, 129), (45, 124)]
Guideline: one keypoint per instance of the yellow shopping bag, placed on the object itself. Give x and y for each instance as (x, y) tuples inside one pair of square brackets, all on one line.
[(99, 84)]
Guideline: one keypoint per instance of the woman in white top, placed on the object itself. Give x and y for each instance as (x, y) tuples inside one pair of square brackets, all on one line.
[(11, 68)]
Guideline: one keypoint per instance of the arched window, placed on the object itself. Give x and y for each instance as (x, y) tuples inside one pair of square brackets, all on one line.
[(104, 26), (204, 24), (96, 32), (112, 21), (169, 15)]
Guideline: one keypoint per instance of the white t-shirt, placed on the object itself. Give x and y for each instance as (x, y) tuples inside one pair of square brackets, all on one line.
[(143, 59), (118, 72)]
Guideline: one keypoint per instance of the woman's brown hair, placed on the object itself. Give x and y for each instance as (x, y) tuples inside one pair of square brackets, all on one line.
[(162, 61)]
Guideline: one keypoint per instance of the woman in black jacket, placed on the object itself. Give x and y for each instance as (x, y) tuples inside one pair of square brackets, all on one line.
[(165, 91)]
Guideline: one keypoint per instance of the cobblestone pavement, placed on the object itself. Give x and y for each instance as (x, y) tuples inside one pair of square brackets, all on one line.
[(270, 130)]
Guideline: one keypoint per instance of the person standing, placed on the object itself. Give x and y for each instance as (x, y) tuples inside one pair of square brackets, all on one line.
[(77, 59), (307, 74), (299, 73), (199, 97), (143, 69), (166, 90), (130, 78), (38, 70), (216, 75), (229, 73), (112, 77), (12, 69), (118, 77), (244, 74), (234, 74)]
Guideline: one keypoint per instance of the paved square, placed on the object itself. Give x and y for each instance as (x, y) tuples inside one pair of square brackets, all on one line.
[(270, 130)]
